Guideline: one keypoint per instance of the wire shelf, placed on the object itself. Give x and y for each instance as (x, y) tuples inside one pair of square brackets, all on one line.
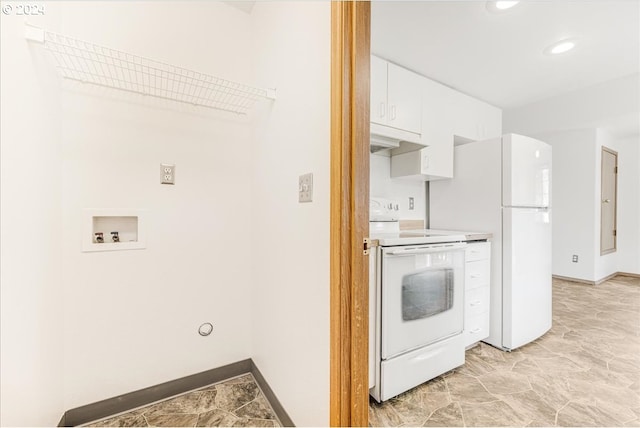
[(99, 65)]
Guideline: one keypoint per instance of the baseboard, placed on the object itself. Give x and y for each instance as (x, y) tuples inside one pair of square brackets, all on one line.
[(632, 275), (568, 278), (122, 403), (285, 420), (598, 282), (607, 278)]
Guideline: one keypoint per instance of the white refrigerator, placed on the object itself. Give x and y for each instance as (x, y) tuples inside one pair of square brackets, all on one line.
[(503, 186)]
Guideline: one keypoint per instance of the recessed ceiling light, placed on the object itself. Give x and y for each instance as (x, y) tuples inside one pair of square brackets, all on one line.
[(501, 6), (560, 47)]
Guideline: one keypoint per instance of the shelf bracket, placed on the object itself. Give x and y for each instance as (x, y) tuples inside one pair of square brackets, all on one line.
[(33, 33)]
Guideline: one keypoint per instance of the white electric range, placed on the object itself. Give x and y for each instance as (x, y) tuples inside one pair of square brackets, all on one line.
[(415, 301)]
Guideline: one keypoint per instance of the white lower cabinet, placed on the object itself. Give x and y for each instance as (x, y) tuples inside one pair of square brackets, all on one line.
[(476, 296)]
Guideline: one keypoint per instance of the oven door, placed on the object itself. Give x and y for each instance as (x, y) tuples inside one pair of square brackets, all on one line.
[(422, 295)]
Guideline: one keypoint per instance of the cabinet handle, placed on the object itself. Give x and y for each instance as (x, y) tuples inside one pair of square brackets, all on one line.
[(382, 109), (392, 112), (475, 330), (476, 303), (475, 276)]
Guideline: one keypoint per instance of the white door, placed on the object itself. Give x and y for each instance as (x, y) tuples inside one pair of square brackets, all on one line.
[(422, 296), (608, 202), (526, 280), (526, 172)]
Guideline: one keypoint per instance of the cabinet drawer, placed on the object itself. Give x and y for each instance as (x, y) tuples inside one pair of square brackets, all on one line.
[(476, 274), (476, 328), (480, 251), (476, 302), (406, 371)]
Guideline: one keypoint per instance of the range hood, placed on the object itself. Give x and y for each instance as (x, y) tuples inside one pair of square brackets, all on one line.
[(393, 139)]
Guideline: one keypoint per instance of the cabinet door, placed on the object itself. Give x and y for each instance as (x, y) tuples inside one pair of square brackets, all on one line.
[(437, 161), (465, 121), (437, 118), (491, 118), (404, 97), (475, 119), (378, 90)]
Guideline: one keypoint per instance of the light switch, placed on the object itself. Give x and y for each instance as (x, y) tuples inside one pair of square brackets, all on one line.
[(305, 188)]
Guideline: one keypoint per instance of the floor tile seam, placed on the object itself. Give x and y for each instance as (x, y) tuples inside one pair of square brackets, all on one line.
[(198, 389), (433, 411), (247, 403), (561, 409), (395, 412), (147, 420), (464, 422), (494, 395), (539, 398), (210, 410), (260, 391), (597, 406)]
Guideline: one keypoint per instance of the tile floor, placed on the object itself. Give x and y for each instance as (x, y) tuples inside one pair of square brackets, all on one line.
[(236, 402), (584, 372)]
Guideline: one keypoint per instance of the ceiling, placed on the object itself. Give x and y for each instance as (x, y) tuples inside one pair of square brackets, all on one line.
[(498, 57)]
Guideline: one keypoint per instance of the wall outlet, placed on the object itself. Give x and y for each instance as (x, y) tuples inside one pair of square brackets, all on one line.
[(305, 188), (411, 203), (574, 258), (167, 173)]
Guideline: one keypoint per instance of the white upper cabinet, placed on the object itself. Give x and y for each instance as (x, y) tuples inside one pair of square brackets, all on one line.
[(395, 96), (378, 90), (474, 119), (405, 100), (448, 117), (411, 108)]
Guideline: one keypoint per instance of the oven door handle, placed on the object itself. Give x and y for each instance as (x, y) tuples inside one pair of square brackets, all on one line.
[(426, 250)]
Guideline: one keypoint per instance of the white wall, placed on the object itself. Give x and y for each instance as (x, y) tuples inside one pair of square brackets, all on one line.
[(383, 186), (290, 240), (133, 316), (228, 244), (30, 267), (573, 204), (576, 204), (609, 113), (627, 256), (121, 320)]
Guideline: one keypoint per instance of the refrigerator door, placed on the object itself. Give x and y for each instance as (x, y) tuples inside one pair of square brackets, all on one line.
[(526, 281), (526, 172)]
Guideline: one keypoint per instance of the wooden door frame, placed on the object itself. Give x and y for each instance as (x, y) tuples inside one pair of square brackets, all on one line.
[(350, 62)]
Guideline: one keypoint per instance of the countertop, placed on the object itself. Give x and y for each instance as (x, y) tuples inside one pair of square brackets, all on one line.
[(428, 236)]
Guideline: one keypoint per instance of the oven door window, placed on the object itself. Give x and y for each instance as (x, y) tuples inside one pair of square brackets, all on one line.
[(421, 297), (427, 293)]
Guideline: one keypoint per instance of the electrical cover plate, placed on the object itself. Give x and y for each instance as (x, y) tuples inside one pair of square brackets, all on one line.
[(305, 188), (167, 173)]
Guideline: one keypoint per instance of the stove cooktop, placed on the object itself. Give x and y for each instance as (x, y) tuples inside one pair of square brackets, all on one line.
[(427, 236)]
